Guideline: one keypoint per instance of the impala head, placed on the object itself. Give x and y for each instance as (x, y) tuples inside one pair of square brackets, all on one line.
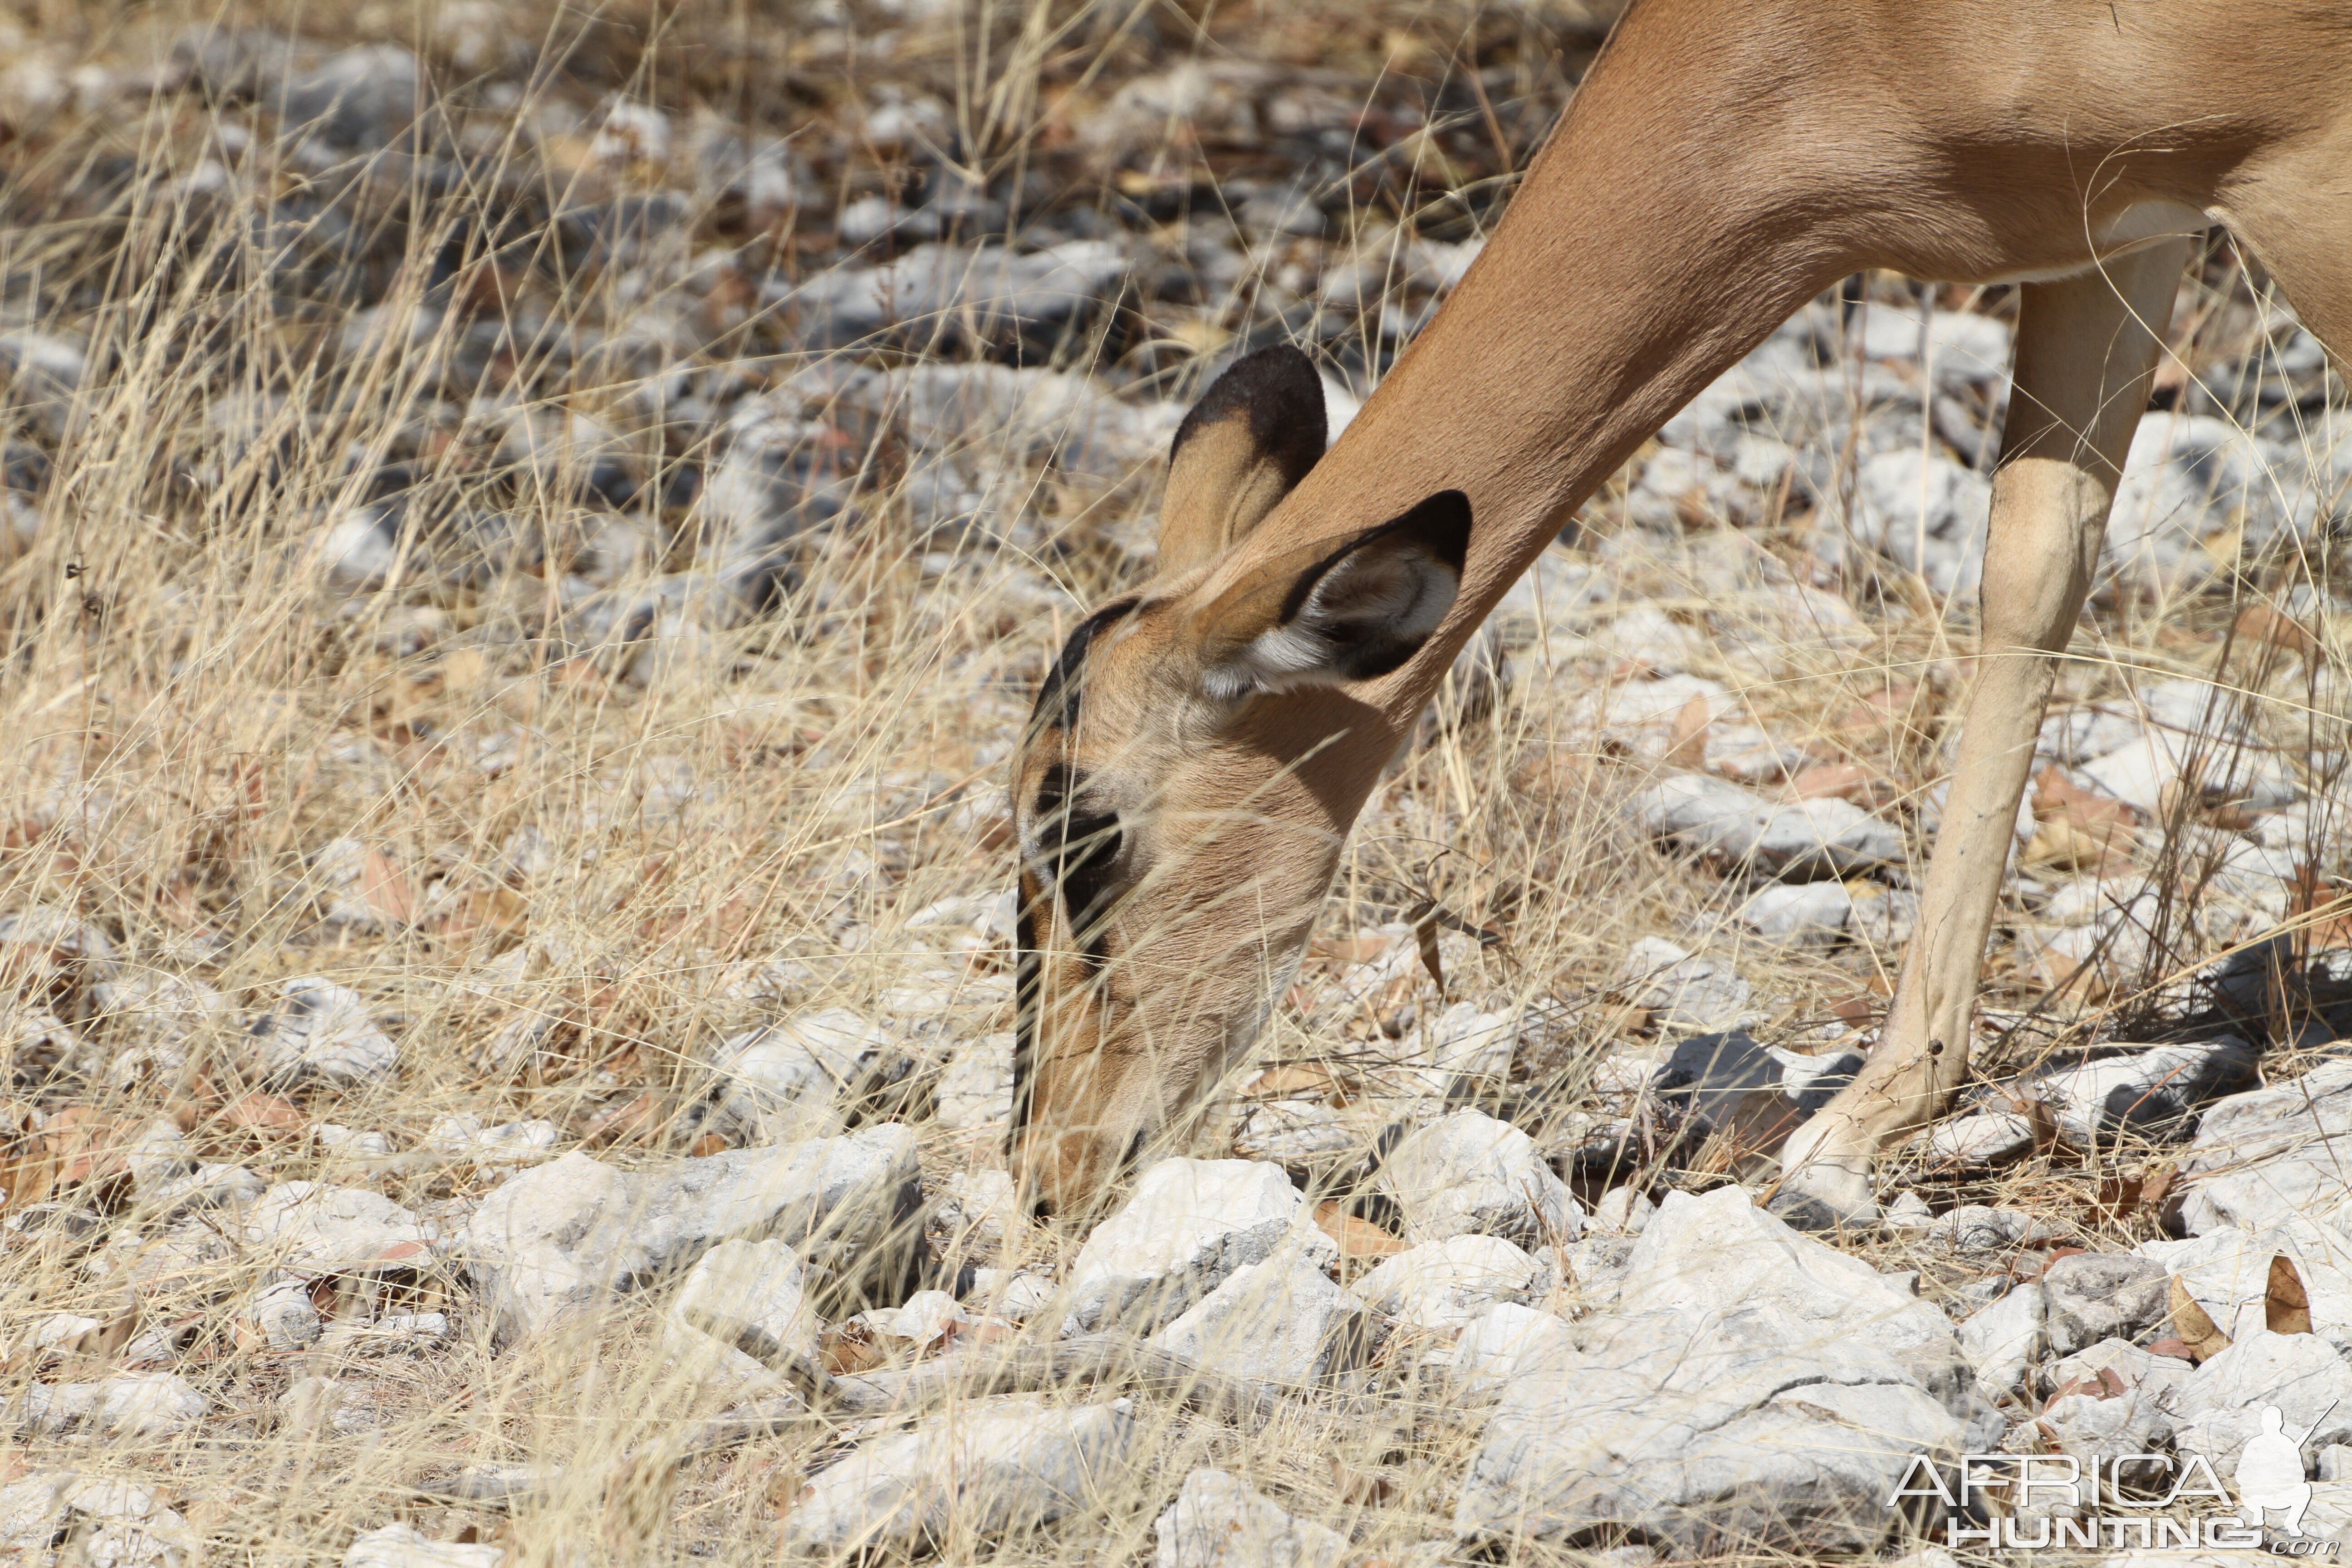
[(1195, 760)]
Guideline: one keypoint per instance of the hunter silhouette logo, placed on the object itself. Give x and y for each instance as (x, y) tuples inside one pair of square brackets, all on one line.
[(2270, 1470)]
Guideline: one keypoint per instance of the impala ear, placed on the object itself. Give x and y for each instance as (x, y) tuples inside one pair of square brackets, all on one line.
[(1252, 436), (1348, 614)]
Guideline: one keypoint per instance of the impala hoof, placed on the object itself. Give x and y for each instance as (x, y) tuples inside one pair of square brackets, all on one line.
[(1823, 1196)]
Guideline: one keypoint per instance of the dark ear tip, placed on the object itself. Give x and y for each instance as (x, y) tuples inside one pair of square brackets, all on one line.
[(1443, 523), (1280, 392)]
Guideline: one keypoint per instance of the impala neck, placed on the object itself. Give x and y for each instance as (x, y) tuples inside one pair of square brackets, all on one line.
[(1614, 289)]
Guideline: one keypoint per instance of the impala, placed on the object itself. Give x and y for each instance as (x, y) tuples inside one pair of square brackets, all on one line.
[(1202, 743)]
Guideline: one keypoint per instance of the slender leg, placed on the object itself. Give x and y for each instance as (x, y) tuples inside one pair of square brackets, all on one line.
[(2086, 348)]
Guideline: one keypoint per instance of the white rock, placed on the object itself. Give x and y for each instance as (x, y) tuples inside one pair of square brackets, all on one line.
[(2112, 1364), (783, 1080), (757, 1283), (1014, 1297), (114, 1524), (309, 1230), (1793, 839), (1443, 1285), (2144, 1089), (2106, 1427), (922, 1318), (1721, 1427), (1217, 1522), (2093, 1296), (1468, 1173), (1626, 1209), (31, 1510), (399, 1546), (1688, 992), (1495, 1343), (1926, 512), (985, 1467), (2269, 1156), (285, 1315), (212, 1184), (497, 1149), (2227, 1274), (1698, 1254), (352, 1142), (323, 1030), (1974, 1143), (981, 1206), (570, 1235), (1801, 914), (2003, 1340), (977, 1085), (1189, 1226), (975, 1089), (136, 1404), (1282, 1320), (157, 1009), (1471, 1048), (1975, 1227), (2221, 1405)]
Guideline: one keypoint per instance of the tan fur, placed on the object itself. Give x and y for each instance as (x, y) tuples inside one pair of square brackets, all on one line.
[(1720, 165)]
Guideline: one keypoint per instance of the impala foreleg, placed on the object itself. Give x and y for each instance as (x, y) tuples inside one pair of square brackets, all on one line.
[(2086, 348)]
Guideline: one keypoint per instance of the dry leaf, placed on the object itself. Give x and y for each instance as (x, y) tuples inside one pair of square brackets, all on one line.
[(848, 1349), (2259, 623), (1295, 1080), (1686, 746), (385, 889), (2197, 1330), (2287, 1306), (258, 1112), (1361, 1242), (1840, 781), (486, 910)]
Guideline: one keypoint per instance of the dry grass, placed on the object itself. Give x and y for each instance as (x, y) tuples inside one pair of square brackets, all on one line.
[(648, 838)]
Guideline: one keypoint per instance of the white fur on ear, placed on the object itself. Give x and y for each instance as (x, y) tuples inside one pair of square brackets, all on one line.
[(1367, 613)]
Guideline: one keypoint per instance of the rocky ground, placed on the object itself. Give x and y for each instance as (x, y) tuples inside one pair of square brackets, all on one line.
[(528, 540)]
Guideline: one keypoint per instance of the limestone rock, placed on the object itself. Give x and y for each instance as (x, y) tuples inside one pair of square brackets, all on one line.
[(987, 1466), (567, 1235), (1189, 1226), (1282, 1320), (133, 1405), (1496, 1343), (1443, 1285), (2003, 1340), (1701, 1253), (321, 1030), (2221, 1405), (1469, 1173), (975, 1090), (759, 1284), (1728, 1425), (2149, 1090), (781, 1081), (399, 1546), (2094, 1295), (1218, 1521), (312, 1230), (2263, 1157)]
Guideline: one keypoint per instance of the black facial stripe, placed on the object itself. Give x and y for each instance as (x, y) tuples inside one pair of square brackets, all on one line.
[(1058, 699), (1026, 975)]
